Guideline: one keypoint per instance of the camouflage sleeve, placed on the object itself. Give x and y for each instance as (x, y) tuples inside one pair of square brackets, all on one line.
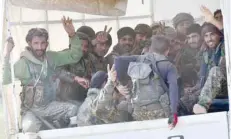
[(103, 105), (84, 113), (72, 55), (211, 88)]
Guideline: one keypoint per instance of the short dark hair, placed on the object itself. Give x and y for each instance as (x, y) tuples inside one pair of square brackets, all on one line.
[(160, 44), (194, 28), (39, 32), (217, 12)]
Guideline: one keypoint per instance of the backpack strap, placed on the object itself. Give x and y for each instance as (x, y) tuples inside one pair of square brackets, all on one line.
[(165, 87)]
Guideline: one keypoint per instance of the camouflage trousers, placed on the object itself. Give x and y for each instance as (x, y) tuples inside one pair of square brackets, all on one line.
[(144, 113), (190, 99), (212, 87), (52, 112)]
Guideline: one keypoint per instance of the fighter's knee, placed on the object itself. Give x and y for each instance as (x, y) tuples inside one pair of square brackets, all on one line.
[(215, 70), (73, 110), (30, 125)]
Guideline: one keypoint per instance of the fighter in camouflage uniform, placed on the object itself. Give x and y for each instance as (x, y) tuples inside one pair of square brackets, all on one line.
[(190, 56), (103, 104), (213, 49), (36, 71), (83, 69), (215, 87)]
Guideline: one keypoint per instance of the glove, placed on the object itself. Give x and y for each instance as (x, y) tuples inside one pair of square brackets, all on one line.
[(172, 121)]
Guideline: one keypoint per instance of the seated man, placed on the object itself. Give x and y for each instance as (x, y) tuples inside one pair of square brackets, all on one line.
[(36, 71), (215, 87), (212, 51), (82, 69), (103, 97)]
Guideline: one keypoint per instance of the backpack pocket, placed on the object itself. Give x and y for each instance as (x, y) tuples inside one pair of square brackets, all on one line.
[(139, 70)]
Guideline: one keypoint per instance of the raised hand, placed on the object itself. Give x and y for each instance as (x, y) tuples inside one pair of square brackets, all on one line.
[(102, 36), (207, 14), (10, 45), (68, 26), (112, 75), (123, 90)]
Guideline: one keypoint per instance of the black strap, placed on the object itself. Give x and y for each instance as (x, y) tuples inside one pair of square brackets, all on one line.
[(165, 87)]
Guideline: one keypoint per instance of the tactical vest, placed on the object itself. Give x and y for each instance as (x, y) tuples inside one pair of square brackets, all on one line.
[(41, 89), (148, 94)]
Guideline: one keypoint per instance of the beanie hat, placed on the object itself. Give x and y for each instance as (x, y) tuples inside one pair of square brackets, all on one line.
[(143, 29), (98, 79), (182, 17), (88, 31), (125, 31)]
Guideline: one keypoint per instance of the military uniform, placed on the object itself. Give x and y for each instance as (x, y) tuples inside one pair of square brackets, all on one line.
[(100, 63), (85, 116), (188, 65), (215, 86), (73, 91), (39, 87), (210, 59), (100, 107)]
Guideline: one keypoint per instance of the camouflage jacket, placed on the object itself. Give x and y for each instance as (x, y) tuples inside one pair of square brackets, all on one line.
[(85, 116), (188, 62), (100, 107), (109, 109), (99, 63), (69, 90)]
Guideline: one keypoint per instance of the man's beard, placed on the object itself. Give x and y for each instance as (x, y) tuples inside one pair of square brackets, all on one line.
[(38, 53), (211, 44), (194, 45), (127, 48)]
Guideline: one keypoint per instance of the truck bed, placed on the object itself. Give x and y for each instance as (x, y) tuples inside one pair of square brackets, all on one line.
[(207, 126)]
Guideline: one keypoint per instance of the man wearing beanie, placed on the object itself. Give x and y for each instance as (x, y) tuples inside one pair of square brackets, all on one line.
[(181, 22), (143, 35), (126, 38), (212, 51), (88, 31), (190, 56), (82, 68), (105, 102), (194, 36)]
